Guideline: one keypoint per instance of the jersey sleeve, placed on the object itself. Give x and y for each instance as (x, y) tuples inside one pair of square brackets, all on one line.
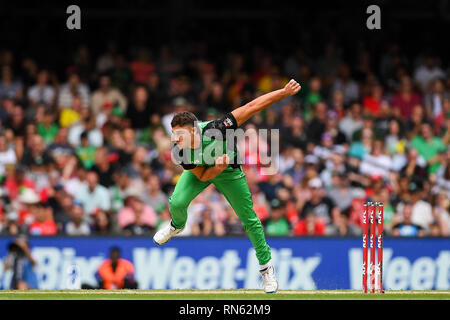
[(228, 121)]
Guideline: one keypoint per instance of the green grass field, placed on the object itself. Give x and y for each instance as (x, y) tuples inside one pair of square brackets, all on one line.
[(219, 295)]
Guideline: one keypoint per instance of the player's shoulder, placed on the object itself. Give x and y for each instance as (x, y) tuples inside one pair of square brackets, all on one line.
[(228, 121)]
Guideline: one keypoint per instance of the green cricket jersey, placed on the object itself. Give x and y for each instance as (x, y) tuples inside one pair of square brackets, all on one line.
[(214, 143)]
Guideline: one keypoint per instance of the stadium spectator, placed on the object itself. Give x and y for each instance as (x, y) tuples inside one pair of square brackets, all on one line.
[(9, 225), (85, 152), (7, 155), (322, 206), (427, 72), (142, 66), (47, 129), (372, 102), (332, 128), (441, 213), (297, 170), (342, 227), (116, 272), (207, 224), (9, 87), (72, 89), (352, 121), (85, 124), (346, 84), (16, 122), (93, 195), (77, 226), (317, 125), (377, 163), (407, 228), (42, 91), (310, 225), (105, 98), (103, 224), (105, 166), (429, 147), (61, 203), (421, 211), (405, 99), (105, 61), (136, 218), (154, 197), (276, 224), (434, 101), (340, 193), (43, 223), (232, 224)]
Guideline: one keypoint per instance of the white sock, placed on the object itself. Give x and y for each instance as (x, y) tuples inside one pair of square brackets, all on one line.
[(265, 266)]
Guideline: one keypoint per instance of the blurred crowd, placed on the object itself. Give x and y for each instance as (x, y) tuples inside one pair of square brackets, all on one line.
[(88, 153)]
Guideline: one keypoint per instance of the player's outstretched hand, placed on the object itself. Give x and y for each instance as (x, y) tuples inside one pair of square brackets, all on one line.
[(292, 87)]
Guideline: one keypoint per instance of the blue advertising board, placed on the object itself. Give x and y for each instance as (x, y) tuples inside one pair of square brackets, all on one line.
[(224, 263)]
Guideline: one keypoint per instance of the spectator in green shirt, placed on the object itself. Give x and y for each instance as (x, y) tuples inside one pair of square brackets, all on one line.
[(86, 152), (48, 129), (313, 96), (276, 224), (429, 146)]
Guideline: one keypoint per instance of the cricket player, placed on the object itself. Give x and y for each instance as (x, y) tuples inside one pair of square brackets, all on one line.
[(191, 138)]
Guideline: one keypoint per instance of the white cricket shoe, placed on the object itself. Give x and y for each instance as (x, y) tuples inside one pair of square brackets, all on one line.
[(165, 233), (270, 283)]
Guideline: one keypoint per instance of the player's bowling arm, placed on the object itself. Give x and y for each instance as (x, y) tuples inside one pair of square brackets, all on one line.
[(242, 114)]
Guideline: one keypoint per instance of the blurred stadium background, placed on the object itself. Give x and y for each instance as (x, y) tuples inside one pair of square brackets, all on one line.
[(84, 140)]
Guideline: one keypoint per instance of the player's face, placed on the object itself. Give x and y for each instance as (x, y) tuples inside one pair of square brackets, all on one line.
[(182, 136)]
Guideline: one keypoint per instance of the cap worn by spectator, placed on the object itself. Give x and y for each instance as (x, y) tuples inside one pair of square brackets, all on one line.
[(376, 177), (276, 204), (326, 136), (315, 183), (133, 192), (311, 159), (339, 149), (78, 203), (332, 114), (29, 196)]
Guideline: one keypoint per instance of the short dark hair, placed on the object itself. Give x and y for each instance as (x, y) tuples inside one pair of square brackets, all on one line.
[(183, 119), (115, 249)]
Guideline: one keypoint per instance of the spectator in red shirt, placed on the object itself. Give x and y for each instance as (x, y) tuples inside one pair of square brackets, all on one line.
[(17, 182), (310, 226), (142, 67), (372, 102), (404, 100), (27, 199), (43, 224)]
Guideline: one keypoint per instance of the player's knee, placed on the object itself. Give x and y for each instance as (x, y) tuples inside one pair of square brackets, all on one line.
[(252, 224), (176, 203)]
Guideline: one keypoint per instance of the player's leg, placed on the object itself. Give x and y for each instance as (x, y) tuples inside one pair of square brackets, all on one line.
[(233, 185), (186, 189)]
